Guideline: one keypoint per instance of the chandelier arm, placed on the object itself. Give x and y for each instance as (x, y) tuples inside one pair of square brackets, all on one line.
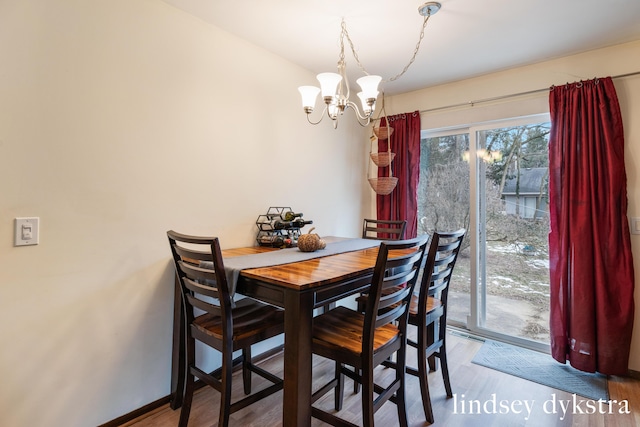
[(363, 119), (365, 124), (319, 120), (354, 106)]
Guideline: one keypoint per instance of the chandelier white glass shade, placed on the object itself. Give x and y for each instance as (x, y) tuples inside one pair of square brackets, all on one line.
[(335, 86)]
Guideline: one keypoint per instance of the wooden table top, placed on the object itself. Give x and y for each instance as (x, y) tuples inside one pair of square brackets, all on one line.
[(310, 273), (249, 250)]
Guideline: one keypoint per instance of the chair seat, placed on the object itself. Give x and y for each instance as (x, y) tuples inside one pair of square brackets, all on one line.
[(250, 319), (432, 304), (341, 330)]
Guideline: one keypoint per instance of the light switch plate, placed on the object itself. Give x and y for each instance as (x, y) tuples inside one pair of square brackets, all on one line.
[(635, 225), (27, 231)]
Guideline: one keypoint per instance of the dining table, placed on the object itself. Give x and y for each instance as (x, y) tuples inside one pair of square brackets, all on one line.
[(306, 283)]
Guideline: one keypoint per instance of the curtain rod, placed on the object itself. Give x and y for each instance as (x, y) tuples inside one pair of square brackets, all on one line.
[(513, 95)]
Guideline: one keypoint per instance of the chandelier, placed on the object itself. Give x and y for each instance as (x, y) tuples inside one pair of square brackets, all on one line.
[(335, 86)]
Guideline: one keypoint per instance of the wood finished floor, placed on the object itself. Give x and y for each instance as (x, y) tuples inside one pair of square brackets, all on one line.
[(469, 382)]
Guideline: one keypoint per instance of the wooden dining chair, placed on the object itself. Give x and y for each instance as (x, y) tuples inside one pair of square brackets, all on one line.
[(379, 230), (213, 318), (358, 342), (428, 312), (383, 229)]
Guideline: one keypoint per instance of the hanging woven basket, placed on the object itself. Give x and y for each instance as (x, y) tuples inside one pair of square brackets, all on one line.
[(383, 185), (383, 132), (382, 160)]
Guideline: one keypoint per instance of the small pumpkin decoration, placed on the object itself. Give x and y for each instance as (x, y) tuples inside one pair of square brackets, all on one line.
[(309, 242), (322, 244)]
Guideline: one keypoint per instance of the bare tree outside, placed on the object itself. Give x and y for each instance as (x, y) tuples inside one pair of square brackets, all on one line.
[(443, 205), (514, 168), (443, 195)]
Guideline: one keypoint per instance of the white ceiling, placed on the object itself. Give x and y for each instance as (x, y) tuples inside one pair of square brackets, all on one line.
[(466, 38)]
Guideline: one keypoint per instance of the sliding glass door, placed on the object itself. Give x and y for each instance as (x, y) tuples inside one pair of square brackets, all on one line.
[(492, 180)]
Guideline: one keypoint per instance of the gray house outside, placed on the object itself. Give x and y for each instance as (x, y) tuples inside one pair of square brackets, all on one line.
[(528, 197)]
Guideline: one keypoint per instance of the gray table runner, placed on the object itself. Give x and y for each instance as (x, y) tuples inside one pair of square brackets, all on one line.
[(335, 245)]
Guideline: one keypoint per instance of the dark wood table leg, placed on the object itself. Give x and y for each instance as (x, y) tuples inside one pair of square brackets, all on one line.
[(178, 371), (298, 318)]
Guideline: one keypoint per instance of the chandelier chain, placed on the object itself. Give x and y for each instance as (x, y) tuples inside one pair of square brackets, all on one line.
[(345, 33)]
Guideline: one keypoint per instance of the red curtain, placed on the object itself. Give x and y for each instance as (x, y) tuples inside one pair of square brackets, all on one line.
[(591, 265), (402, 203)]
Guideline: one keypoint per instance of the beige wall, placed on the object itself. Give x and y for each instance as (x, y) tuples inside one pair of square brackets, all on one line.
[(119, 120), (613, 61)]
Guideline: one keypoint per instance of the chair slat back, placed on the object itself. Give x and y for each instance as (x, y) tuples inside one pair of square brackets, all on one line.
[(383, 229), (200, 283), (394, 278), (203, 285), (192, 254), (441, 259)]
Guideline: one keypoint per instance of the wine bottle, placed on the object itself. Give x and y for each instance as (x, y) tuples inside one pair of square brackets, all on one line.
[(266, 224), (278, 224), (299, 222), (290, 216), (274, 224), (271, 240)]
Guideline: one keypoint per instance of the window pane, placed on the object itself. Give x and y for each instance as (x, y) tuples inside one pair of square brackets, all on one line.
[(443, 205), (514, 244)]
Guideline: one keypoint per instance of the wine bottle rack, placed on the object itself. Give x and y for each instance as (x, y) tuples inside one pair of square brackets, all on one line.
[(269, 236)]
